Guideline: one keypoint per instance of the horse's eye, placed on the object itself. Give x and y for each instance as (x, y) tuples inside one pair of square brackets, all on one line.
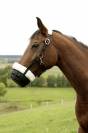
[(35, 45)]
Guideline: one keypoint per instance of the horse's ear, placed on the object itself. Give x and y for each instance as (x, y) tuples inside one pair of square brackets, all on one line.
[(41, 27)]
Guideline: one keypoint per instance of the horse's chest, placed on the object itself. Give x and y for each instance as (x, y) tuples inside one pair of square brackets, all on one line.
[(82, 114)]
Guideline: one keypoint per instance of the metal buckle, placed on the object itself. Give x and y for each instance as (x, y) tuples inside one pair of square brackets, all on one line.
[(47, 41)]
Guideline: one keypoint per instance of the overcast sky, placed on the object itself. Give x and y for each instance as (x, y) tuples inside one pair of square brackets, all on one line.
[(18, 21)]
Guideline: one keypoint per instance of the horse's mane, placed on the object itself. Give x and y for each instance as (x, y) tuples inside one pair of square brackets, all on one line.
[(78, 42), (73, 39)]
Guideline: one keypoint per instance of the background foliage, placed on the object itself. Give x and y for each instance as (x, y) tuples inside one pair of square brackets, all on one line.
[(49, 80)]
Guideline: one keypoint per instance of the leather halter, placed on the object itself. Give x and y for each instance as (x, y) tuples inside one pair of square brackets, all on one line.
[(23, 75), (46, 43)]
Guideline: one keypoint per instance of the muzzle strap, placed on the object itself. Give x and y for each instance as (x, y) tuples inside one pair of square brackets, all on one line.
[(22, 69)]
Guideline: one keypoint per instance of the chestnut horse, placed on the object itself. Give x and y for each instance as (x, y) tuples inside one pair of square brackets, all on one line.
[(71, 56)]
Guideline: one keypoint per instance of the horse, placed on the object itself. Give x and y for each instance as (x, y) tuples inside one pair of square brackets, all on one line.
[(67, 53)]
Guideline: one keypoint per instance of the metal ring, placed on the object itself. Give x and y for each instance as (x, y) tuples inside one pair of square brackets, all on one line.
[(47, 41)]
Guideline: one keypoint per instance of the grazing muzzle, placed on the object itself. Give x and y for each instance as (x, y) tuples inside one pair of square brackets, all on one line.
[(21, 75)]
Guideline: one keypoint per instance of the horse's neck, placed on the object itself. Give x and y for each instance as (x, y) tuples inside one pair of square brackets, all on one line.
[(73, 61)]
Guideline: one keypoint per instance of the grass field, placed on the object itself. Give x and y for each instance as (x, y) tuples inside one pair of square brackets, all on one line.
[(38, 111)]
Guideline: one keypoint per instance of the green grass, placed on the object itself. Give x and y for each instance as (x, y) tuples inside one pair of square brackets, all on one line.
[(38, 111), (24, 98)]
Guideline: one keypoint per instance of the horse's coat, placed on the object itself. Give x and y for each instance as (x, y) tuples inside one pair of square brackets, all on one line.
[(69, 55)]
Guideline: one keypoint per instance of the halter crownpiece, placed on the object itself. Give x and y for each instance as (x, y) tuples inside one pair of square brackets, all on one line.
[(47, 43)]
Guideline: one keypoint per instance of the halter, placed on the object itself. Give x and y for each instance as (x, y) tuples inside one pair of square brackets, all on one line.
[(41, 57), (46, 43), (21, 74)]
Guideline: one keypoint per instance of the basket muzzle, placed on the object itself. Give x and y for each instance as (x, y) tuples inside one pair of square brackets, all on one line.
[(21, 75)]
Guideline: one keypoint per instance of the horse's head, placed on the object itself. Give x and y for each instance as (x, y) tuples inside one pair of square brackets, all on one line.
[(40, 55)]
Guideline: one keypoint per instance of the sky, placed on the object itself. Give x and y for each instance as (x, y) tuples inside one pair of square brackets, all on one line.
[(18, 21)]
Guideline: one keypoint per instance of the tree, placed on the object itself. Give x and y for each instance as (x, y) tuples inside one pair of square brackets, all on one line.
[(51, 81), (5, 74), (2, 89), (11, 83), (62, 81), (39, 82)]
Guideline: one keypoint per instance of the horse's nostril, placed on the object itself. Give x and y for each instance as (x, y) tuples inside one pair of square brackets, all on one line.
[(19, 78)]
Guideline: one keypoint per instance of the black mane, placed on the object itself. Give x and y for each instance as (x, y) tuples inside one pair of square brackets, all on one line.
[(78, 42)]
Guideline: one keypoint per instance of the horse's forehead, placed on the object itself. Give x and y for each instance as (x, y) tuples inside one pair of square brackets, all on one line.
[(37, 36)]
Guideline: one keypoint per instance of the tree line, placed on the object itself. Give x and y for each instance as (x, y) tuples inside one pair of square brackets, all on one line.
[(49, 81)]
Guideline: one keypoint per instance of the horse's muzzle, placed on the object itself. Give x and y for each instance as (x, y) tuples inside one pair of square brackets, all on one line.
[(19, 78), (21, 75)]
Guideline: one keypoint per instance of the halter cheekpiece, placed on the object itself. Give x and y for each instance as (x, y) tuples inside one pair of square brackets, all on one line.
[(46, 43)]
